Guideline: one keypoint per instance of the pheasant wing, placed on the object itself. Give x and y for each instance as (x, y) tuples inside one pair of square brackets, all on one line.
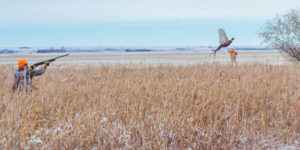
[(222, 36)]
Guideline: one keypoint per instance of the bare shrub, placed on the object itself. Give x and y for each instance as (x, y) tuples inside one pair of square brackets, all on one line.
[(283, 32)]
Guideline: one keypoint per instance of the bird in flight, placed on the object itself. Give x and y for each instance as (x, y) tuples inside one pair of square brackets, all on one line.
[(224, 42)]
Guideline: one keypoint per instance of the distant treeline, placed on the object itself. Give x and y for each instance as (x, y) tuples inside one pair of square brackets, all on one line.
[(138, 50), (6, 51)]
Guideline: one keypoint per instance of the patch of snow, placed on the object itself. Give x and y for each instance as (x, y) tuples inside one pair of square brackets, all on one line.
[(39, 130), (150, 117), (58, 130), (104, 119), (171, 134), (35, 140), (286, 147), (243, 140), (47, 131), (69, 126), (204, 134)]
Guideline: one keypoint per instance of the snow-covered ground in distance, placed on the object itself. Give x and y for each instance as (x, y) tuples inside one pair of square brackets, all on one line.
[(174, 57)]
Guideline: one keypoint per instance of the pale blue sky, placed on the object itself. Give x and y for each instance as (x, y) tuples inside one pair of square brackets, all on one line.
[(134, 22)]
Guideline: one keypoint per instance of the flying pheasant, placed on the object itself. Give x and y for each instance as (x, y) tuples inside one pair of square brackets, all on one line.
[(224, 42)]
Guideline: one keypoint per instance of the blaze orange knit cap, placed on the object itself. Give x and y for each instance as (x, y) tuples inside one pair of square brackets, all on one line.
[(21, 63)]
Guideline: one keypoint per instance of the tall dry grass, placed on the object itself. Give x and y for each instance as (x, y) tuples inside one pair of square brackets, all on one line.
[(154, 107)]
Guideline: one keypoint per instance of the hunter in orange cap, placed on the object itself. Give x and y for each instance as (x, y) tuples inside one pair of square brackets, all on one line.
[(22, 63), (233, 55), (28, 72)]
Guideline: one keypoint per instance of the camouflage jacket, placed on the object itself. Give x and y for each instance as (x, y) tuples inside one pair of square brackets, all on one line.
[(28, 74)]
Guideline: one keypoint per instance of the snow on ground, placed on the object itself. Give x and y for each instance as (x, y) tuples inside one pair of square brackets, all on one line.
[(159, 57)]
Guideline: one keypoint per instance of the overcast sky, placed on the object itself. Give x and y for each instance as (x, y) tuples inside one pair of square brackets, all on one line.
[(14, 12), (33, 13)]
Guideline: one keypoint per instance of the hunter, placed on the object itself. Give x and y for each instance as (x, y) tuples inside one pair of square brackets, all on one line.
[(28, 73), (233, 55)]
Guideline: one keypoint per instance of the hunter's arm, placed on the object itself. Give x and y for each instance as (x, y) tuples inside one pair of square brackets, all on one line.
[(37, 72)]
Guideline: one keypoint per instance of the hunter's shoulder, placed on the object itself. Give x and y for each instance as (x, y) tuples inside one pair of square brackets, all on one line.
[(17, 71)]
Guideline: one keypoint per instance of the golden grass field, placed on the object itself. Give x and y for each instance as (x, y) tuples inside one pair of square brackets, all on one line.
[(201, 106)]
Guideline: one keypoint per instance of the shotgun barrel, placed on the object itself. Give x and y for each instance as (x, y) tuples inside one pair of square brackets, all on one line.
[(51, 60)]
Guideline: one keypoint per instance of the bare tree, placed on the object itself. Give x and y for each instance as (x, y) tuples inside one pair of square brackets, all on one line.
[(283, 32)]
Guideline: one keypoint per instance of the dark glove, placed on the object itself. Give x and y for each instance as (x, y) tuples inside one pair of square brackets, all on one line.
[(32, 67)]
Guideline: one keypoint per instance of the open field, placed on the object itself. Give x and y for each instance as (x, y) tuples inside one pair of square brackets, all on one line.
[(200, 106), (154, 58)]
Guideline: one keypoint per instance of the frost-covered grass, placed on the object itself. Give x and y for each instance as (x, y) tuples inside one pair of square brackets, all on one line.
[(205, 106)]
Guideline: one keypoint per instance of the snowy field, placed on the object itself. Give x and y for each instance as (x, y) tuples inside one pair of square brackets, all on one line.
[(159, 57)]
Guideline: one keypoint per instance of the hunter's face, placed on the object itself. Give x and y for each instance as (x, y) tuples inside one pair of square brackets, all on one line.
[(25, 66)]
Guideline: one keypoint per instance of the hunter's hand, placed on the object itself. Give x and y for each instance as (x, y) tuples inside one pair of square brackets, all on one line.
[(47, 63), (32, 67)]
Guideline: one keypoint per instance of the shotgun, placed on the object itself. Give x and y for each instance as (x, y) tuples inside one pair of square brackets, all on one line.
[(51, 60)]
